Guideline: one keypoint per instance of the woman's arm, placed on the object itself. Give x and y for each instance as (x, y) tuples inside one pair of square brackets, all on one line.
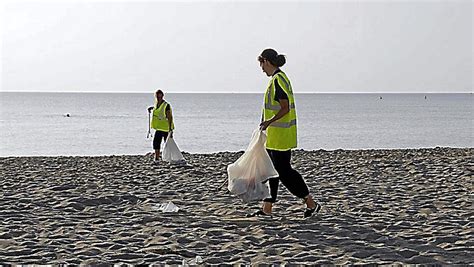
[(169, 116)]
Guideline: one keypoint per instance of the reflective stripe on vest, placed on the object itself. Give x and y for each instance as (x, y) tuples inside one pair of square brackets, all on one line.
[(281, 134), (159, 121), (284, 124), (277, 107)]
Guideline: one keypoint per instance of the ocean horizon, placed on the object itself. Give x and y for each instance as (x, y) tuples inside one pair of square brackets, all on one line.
[(34, 124)]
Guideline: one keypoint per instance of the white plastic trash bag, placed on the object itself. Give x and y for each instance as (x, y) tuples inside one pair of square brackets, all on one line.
[(168, 207), (248, 174), (171, 152)]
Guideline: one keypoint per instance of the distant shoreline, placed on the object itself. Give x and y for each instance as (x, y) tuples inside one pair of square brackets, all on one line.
[(297, 150), (297, 93)]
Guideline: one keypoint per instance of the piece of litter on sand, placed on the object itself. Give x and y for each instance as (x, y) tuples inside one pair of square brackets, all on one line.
[(197, 260), (168, 207)]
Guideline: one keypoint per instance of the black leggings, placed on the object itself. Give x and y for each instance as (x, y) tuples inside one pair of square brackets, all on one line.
[(290, 178), (157, 139)]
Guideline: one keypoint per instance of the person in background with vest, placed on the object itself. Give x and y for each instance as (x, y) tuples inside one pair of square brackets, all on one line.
[(161, 121), (279, 120)]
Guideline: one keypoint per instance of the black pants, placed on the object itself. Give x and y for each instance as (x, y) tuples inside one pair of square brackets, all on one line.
[(159, 135), (290, 178)]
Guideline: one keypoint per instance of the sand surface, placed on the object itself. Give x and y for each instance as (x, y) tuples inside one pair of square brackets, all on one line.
[(379, 206)]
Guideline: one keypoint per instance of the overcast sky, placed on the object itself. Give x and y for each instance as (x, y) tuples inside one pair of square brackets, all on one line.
[(130, 46)]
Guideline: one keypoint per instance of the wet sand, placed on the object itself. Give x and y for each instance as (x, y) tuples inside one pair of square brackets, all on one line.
[(379, 206)]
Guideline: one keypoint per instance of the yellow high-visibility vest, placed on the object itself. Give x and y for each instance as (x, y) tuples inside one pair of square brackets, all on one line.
[(281, 134), (159, 121)]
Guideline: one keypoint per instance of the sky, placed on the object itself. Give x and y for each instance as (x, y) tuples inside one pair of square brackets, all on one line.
[(212, 46)]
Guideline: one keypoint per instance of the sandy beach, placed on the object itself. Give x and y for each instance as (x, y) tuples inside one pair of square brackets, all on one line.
[(378, 206)]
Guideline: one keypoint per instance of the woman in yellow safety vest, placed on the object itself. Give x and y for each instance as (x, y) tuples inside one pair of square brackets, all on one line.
[(279, 121), (161, 121)]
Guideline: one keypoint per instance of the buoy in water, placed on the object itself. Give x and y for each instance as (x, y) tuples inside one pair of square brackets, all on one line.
[(67, 115)]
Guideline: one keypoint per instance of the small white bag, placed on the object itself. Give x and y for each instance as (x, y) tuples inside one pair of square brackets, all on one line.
[(247, 176), (171, 152)]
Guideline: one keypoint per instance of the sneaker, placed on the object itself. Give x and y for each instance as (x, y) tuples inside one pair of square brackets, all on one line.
[(258, 213), (310, 212)]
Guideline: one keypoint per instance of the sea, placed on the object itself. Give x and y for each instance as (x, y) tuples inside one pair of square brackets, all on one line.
[(36, 124)]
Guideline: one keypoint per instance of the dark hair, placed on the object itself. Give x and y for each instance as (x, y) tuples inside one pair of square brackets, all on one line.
[(272, 56), (159, 92)]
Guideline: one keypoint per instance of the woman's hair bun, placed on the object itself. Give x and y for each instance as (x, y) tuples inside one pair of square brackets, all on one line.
[(280, 60)]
